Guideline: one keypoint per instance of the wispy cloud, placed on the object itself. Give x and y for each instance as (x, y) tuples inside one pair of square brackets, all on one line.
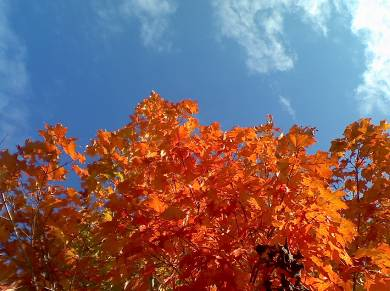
[(152, 15), (257, 26), (14, 81), (315, 13), (286, 103), (154, 18), (371, 23)]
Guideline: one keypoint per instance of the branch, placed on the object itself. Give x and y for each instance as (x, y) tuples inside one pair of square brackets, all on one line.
[(11, 219)]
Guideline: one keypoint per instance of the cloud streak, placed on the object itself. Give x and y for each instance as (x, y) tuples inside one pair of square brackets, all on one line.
[(286, 104), (152, 15), (14, 81)]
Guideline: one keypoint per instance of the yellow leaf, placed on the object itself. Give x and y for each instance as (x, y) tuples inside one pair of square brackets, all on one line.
[(345, 256), (70, 256), (151, 154), (107, 216), (120, 176)]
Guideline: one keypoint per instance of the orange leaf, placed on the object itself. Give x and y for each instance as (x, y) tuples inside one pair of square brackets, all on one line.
[(156, 204)]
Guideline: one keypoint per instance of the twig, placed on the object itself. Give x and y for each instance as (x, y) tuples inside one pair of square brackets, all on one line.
[(20, 240)]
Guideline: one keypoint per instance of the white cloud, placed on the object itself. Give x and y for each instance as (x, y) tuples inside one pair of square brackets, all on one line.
[(153, 16), (14, 81), (286, 103), (258, 27), (316, 12), (371, 23)]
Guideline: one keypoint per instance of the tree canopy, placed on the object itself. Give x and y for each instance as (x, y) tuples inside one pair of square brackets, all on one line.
[(165, 203)]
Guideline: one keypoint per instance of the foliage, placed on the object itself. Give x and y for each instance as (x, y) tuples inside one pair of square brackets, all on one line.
[(167, 203), (276, 260)]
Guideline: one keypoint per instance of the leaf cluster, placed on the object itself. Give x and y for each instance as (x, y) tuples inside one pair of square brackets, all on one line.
[(165, 203)]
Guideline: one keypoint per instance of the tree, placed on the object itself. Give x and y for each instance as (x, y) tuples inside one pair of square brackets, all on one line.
[(166, 203), (363, 174)]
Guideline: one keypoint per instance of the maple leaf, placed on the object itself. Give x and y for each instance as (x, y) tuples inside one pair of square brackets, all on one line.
[(156, 204)]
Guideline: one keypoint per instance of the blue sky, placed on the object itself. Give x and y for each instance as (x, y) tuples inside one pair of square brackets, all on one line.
[(88, 63)]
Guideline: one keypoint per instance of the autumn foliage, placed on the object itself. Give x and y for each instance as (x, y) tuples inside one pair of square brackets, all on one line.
[(166, 203)]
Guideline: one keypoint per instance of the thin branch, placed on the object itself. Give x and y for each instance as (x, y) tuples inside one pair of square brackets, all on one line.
[(3, 139), (20, 240)]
